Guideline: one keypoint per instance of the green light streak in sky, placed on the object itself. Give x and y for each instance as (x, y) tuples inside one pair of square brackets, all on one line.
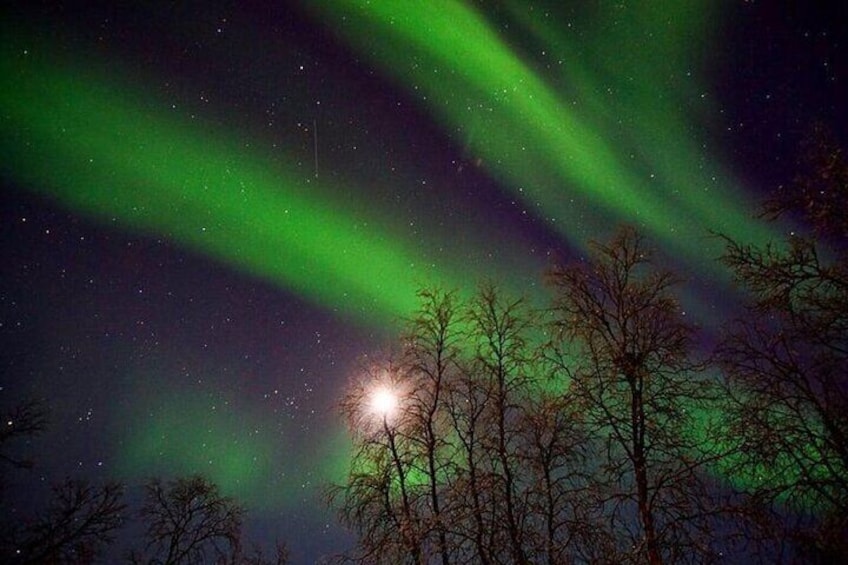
[(103, 150), (581, 146), (109, 152), (178, 434)]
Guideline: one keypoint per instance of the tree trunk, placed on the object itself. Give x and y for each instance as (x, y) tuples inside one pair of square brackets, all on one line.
[(640, 469), (408, 523)]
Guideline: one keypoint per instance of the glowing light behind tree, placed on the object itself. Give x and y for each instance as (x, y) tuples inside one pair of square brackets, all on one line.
[(384, 402)]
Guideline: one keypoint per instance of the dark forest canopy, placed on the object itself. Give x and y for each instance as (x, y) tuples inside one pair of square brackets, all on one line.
[(596, 431)]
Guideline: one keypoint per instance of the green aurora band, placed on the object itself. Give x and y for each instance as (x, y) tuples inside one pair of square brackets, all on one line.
[(235, 445), (182, 435), (615, 132), (614, 128), (609, 131), (96, 147)]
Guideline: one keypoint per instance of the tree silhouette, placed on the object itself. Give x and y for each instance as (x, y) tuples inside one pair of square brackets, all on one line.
[(26, 420), (431, 358), (503, 362), (377, 499), (562, 523), (187, 520), (626, 349), (80, 521), (500, 434), (462, 470), (786, 359)]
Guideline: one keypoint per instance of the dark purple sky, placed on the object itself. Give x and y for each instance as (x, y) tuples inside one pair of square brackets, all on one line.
[(155, 358)]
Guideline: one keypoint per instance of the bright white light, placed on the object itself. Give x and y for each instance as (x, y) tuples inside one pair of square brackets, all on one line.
[(384, 401)]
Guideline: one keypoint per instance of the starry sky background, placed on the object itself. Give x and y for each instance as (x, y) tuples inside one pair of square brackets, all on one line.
[(210, 210)]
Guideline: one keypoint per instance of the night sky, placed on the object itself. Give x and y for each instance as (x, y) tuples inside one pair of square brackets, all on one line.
[(210, 210)]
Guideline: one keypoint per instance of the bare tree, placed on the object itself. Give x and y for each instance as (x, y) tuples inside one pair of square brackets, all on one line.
[(639, 389), (80, 521), (503, 361), (474, 462), (493, 448), (431, 359), (786, 360), (555, 452), (819, 192), (378, 498), (468, 405), (187, 520), (25, 420)]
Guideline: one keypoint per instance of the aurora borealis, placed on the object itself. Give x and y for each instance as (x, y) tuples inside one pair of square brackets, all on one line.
[(210, 212), (473, 82), (112, 159)]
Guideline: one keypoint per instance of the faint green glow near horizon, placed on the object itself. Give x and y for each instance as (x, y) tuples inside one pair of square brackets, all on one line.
[(182, 436), (98, 148), (615, 135), (105, 149), (606, 130)]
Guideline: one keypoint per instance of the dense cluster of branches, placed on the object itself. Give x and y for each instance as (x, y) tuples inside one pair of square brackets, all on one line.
[(520, 438), (591, 432), (186, 520), (80, 521), (786, 361), (23, 422)]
